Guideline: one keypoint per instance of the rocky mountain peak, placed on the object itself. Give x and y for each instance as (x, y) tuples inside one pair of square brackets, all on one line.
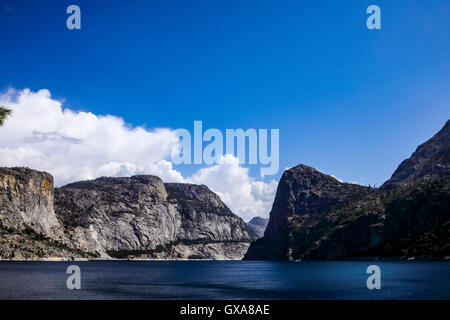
[(258, 225), (304, 190), (303, 193), (259, 221), (315, 216), (430, 160)]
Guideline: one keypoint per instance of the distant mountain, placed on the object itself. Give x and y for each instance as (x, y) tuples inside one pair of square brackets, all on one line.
[(316, 217), (135, 217), (258, 225)]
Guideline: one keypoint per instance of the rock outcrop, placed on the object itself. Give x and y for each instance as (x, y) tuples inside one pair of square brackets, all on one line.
[(316, 217), (258, 225), (28, 195), (430, 160), (141, 217), (303, 195), (29, 228), (135, 217)]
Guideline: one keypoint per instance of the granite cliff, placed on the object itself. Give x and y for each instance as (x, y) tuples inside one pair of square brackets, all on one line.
[(316, 217), (29, 227), (142, 217), (135, 217)]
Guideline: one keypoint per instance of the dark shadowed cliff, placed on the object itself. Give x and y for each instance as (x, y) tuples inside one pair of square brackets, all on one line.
[(430, 160), (314, 216), (303, 195)]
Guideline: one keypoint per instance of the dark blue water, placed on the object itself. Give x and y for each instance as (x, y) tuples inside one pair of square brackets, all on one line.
[(224, 280)]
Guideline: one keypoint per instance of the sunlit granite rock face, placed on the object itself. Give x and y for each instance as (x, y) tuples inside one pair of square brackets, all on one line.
[(111, 214), (141, 216), (29, 228), (135, 217), (26, 198)]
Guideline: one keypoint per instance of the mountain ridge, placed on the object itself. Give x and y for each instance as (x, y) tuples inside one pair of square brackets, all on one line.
[(138, 217), (431, 159), (306, 222)]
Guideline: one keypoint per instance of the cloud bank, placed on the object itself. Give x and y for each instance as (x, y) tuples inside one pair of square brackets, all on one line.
[(236, 188), (78, 145), (73, 146)]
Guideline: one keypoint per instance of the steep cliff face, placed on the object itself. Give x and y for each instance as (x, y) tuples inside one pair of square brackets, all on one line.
[(205, 216), (135, 217), (303, 196), (316, 217), (27, 201), (142, 217), (110, 214), (29, 228)]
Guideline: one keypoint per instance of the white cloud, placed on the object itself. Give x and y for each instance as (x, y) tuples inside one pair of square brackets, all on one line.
[(241, 193), (73, 146), (332, 175)]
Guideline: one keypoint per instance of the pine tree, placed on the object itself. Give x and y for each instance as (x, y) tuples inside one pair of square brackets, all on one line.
[(4, 113)]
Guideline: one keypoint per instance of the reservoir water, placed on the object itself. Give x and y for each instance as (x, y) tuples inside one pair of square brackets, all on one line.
[(224, 280)]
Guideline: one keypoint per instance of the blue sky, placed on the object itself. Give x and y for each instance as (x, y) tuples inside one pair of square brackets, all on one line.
[(349, 101)]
